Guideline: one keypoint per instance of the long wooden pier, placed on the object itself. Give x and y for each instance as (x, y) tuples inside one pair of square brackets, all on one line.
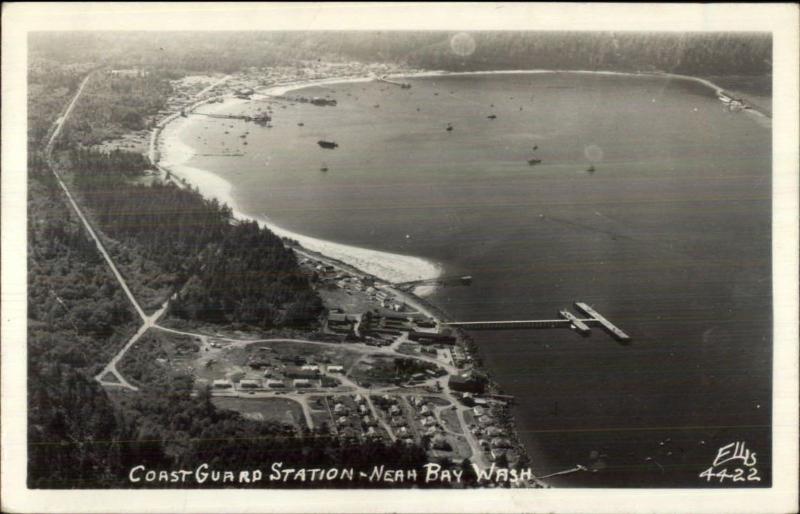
[(567, 320), (258, 119)]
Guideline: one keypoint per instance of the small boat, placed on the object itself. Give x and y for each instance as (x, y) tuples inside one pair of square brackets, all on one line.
[(535, 147), (590, 169), (300, 124), (323, 168), (492, 116), (330, 145), (534, 162), (449, 128)]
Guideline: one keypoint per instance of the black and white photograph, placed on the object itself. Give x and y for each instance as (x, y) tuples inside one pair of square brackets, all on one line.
[(330, 249)]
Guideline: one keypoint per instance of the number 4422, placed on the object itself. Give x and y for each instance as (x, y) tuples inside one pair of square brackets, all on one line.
[(738, 475)]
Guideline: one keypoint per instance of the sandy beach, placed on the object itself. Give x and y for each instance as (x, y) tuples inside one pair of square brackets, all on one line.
[(395, 268)]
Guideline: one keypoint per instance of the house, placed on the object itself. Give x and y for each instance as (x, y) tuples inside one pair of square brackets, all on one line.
[(431, 338), (339, 408), (398, 421), (394, 409), (294, 372), (496, 453), (244, 92), (340, 317), (222, 384), (428, 420), (485, 420), (310, 367), (495, 431), (275, 384), (250, 384), (499, 442), (466, 384), (478, 411), (425, 323), (342, 420), (335, 369), (362, 408), (424, 410), (484, 444), (301, 382)]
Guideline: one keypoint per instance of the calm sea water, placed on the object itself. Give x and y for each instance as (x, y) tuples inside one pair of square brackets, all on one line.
[(669, 238)]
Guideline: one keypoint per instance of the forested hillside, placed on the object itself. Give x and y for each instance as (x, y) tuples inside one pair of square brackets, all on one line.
[(235, 272), (111, 106), (691, 53)]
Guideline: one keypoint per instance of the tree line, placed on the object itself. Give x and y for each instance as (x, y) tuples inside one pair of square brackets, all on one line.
[(707, 53)]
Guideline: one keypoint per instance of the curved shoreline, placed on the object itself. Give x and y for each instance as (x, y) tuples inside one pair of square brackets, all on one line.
[(387, 266), (390, 267), (277, 90)]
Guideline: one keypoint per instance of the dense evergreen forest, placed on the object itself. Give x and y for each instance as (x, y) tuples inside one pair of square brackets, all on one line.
[(716, 53), (111, 106), (234, 272)]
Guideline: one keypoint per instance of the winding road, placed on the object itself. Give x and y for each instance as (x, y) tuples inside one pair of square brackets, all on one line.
[(151, 321)]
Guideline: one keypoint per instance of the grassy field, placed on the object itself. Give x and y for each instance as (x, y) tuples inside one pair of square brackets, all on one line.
[(278, 410), (450, 420)]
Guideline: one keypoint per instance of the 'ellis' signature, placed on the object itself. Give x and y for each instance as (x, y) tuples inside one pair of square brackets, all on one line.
[(734, 454)]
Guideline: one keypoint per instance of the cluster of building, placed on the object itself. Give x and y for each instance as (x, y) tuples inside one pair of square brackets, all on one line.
[(396, 416), (430, 425), (353, 418), (271, 372), (492, 438)]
